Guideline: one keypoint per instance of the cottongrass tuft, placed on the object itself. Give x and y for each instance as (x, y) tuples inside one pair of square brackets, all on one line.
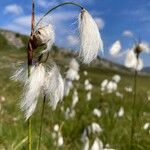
[(90, 39), (32, 90), (21, 74), (115, 48), (132, 62), (97, 144), (54, 87), (45, 36)]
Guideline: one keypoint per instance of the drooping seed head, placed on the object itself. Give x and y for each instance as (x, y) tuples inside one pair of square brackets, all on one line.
[(90, 39)]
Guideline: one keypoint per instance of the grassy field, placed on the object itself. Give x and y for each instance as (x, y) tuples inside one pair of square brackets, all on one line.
[(116, 130)]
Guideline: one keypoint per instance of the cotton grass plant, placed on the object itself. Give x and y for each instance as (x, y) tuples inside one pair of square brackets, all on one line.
[(42, 80)]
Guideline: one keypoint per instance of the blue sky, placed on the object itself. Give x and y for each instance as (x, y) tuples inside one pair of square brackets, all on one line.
[(117, 20)]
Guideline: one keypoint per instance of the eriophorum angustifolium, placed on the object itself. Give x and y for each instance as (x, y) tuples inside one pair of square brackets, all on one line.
[(90, 105)]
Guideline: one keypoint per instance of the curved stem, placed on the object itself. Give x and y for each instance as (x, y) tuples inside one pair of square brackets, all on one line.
[(41, 124), (62, 4)]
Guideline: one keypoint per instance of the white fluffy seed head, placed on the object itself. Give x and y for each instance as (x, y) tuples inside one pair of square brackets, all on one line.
[(90, 39), (71, 74), (104, 83), (21, 74), (75, 99), (111, 87), (32, 90), (132, 62), (121, 112), (116, 78), (97, 112), (54, 87), (97, 144), (115, 48), (74, 65), (67, 87), (45, 36), (96, 128)]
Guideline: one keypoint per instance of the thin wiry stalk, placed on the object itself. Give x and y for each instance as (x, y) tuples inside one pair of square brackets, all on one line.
[(133, 107), (65, 3), (41, 123), (30, 57)]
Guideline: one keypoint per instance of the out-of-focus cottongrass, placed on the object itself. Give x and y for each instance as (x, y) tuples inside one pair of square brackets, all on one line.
[(97, 112), (88, 87), (115, 48), (71, 75), (75, 99), (121, 112), (146, 126), (120, 95), (85, 73), (131, 61), (45, 35), (128, 89), (116, 78), (57, 136), (97, 144), (90, 39)]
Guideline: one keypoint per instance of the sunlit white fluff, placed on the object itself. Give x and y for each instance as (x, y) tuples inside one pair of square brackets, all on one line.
[(60, 141), (115, 48), (96, 128), (111, 87), (56, 127), (45, 36), (74, 64), (72, 73), (97, 144), (85, 73), (88, 96), (67, 87), (54, 87), (144, 47), (86, 144), (132, 62), (97, 112), (120, 95), (104, 83), (75, 99), (88, 87), (116, 78), (86, 82), (32, 90), (146, 126), (121, 112), (128, 89), (90, 39), (21, 74)]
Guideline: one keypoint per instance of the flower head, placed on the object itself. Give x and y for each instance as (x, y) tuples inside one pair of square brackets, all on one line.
[(115, 48), (90, 39), (44, 36)]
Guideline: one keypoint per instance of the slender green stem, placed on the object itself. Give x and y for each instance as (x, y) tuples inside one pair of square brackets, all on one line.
[(29, 134), (41, 124), (133, 107), (30, 57), (62, 4)]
